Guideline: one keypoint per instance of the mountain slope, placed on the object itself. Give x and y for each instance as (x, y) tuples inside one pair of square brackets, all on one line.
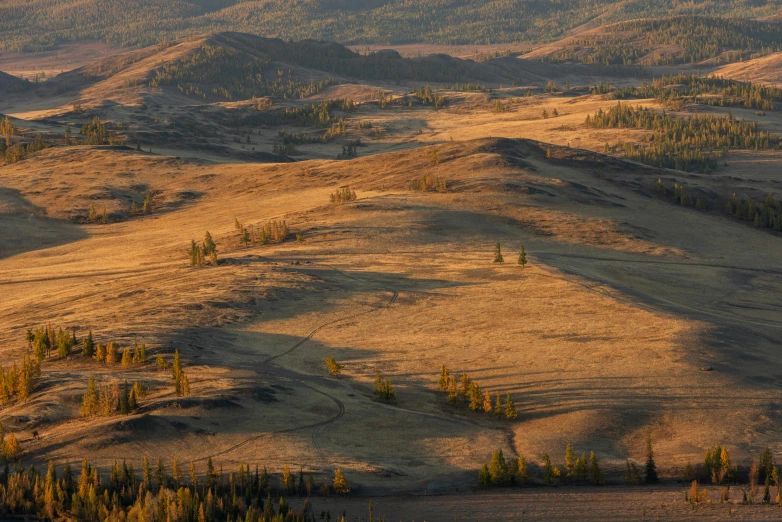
[(36, 24), (666, 41)]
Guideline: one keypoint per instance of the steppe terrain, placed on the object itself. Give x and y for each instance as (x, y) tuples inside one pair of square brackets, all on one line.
[(634, 318)]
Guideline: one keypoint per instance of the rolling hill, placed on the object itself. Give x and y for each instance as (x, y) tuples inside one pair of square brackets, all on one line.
[(666, 41), (38, 24), (600, 340)]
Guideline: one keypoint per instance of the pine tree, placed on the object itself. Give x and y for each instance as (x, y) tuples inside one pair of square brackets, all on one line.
[(550, 473), (176, 475), (498, 409), (498, 468), (133, 399), (160, 475), (484, 478), (510, 408), (522, 256), (443, 382), (146, 473), (453, 393), (487, 403), (332, 366), (341, 486), (210, 249), (569, 460), (498, 254), (124, 400), (127, 357), (476, 397), (651, 467), (595, 474), (89, 405), (522, 475), (88, 346), (111, 354)]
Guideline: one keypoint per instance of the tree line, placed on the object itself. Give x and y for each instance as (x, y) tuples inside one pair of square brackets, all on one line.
[(690, 144), (673, 40), (676, 91), (160, 493)]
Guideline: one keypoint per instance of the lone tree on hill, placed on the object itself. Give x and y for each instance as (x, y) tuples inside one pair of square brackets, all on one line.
[(522, 256), (341, 485), (651, 467), (333, 367), (498, 254)]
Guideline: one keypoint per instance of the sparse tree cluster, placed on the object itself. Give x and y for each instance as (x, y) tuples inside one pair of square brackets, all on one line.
[(199, 253), (18, 381), (504, 472), (429, 182), (97, 133), (510, 472), (384, 390), (146, 206), (343, 195), (767, 215), (466, 392), (271, 232), (111, 398), (181, 382)]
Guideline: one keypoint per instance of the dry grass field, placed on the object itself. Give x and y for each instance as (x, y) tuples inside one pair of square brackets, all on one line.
[(601, 340)]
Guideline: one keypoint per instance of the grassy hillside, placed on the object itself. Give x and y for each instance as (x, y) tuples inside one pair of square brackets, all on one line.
[(668, 41), (37, 24)]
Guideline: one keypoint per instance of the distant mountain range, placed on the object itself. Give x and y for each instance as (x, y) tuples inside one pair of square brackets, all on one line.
[(37, 24)]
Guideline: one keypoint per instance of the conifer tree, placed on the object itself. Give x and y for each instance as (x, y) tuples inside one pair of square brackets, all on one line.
[(11, 448), (550, 472), (476, 397), (332, 366), (210, 249), (498, 254), (499, 411), (133, 399), (484, 478), (100, 353), (487, 407), (160, 475), (595, 474), (443, 382), (146, 473), (124, 399), (127, 357), (88, 346), (522, 475), (510, 408), (89, 405), (176, 475), (651, 467), (498, 468), (341, 486), (569, 460), (453, 393), (211, 475), (522, 256), (193, 476), (111, 354)]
